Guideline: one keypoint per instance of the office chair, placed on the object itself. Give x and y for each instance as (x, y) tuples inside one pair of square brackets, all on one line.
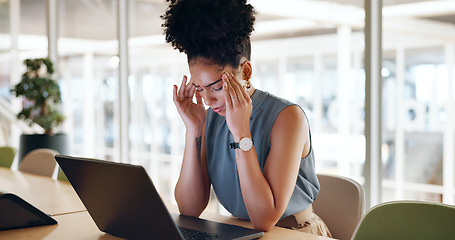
[(340, 204), (406, 220), (39, 161), (7, 156)]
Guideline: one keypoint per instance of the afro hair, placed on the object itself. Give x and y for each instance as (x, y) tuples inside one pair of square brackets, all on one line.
[(218, 30)]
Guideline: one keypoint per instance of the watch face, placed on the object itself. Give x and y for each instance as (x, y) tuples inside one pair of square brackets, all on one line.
[(246, 144)]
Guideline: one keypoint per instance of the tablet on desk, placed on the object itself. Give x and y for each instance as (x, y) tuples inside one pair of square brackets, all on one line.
[(15, 212)]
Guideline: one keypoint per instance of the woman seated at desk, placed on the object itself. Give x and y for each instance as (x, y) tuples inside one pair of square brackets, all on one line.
[(252, 147)]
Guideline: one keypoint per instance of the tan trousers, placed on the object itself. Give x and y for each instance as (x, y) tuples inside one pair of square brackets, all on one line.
[(305, 221)]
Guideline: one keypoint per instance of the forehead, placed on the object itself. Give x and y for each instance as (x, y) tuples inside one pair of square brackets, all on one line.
[(205, 74)]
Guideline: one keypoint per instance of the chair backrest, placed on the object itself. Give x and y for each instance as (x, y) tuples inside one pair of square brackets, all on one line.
[(7, 156), (340, 204), (408, 220), (39, 161)]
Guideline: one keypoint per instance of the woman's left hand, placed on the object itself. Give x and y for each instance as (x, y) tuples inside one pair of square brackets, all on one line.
[(238, 106)]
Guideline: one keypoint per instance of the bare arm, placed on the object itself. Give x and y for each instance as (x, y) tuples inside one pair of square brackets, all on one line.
[(193, 186), (192, 191), (267, 194), (276, 184)]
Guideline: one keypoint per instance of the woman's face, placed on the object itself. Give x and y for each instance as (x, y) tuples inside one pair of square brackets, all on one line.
[(207, 78)]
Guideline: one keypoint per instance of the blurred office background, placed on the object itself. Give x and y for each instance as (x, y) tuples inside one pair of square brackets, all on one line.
[(116, 75)]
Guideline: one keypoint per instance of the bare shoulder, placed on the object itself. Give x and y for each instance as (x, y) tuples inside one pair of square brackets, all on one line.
[(292, 115), (292, 125)]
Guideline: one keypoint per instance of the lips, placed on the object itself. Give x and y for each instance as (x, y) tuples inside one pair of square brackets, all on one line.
[(218, 109)]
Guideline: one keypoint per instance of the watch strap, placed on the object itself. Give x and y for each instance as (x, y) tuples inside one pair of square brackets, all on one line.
[(234, 145)]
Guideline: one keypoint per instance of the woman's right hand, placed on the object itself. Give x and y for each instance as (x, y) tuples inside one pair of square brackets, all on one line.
[(192, 114)]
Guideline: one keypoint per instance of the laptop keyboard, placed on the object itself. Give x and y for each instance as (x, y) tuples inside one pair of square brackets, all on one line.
[(190, 234)]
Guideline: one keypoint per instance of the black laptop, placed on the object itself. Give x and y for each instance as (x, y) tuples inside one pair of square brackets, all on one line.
[(123, 202)]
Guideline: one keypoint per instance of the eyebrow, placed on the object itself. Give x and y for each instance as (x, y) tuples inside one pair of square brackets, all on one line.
[(211, 84)]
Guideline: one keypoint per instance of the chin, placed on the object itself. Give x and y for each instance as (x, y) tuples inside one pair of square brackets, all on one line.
[(222, 113)]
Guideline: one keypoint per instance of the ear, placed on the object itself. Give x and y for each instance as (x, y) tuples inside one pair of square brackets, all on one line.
[(246, 69)]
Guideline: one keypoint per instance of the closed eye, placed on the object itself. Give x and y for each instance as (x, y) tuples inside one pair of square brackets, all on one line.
[(199, 88), (217, 89)]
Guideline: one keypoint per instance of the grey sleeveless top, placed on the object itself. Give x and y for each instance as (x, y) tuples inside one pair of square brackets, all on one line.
[(222, 165)]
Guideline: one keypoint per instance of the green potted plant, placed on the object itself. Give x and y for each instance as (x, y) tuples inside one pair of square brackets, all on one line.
[(41, 96)]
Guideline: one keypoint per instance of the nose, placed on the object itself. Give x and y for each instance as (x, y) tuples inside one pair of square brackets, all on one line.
[(208, 97)]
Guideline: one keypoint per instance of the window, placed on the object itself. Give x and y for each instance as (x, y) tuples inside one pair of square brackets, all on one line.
[(309, 52)]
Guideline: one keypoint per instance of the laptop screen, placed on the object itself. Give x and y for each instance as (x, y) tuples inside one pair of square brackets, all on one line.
[(123, 201)]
